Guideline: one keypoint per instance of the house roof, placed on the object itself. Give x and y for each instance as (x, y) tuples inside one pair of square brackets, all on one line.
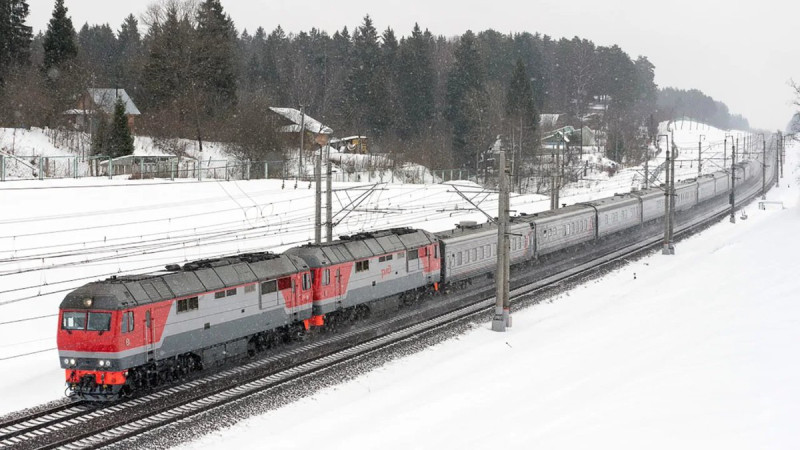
[(105, 98), (309, 123)]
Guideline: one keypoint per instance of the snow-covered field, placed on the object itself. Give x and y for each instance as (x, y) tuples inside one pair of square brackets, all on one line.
[(696, 350), (58, 234)]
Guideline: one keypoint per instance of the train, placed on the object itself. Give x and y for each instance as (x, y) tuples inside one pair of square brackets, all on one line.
[(127, 333)]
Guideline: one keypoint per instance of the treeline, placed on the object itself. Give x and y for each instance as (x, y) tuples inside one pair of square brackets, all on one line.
[(440, 101), (677, 103)]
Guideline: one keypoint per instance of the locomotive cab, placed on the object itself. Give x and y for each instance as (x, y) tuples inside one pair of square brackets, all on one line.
[(89, 341)]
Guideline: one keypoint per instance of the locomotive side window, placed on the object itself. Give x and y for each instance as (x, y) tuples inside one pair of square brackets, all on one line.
[(99, 321), (74, 321), (219, 294), (284, 283), (127, 322), (306, 281), (326, 277), (413, 254), (362, 266), (187, 304), (268, 287), (230, 292)]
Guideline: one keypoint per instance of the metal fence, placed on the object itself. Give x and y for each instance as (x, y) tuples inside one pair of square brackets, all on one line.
[(32, 167)]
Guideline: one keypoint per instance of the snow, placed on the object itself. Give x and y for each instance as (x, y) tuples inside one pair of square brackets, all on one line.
[(694, 350), (579, 365)]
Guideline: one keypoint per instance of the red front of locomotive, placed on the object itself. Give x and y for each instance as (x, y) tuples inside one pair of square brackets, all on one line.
[(92, 334)]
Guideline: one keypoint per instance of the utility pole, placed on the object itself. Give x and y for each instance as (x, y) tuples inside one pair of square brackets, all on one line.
[(318, 198), (502, 318), (328, 195), (733, 179), (668, 248)]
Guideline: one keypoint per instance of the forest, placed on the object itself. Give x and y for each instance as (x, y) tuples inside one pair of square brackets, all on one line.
[(437, 100)]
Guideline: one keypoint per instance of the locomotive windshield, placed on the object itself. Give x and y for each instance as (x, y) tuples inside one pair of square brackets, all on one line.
[(74, 321), (97, 321)]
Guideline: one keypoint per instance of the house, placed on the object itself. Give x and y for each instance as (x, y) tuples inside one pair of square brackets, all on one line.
[(290, 122), (568, 135), (96, 102)]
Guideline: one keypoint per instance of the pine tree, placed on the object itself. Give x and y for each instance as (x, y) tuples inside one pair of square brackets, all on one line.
[(98, 47), (521, 115), (365, 88), (129, 57), (59, 41), (416, 83), (215, 58), (466, 102), (120, 141), (21, 34), (15, 35), (166, 75)]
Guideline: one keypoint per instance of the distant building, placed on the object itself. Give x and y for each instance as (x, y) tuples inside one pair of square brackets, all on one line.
[(351, 144), (97, 102), (290, 121), (569, 136)]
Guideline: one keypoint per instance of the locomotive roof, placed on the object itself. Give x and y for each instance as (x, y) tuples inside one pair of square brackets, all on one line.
[(193, 278), (362, 245)]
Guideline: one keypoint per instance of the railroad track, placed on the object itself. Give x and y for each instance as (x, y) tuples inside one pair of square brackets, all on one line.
[(30, 423), (77, 426)]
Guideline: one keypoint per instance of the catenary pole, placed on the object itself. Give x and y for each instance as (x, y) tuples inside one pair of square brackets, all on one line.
[(302, 136), (763, 167), (778, 149), (700, 155), (328, 195), (318, 198), (733, 179), (499, 320), (672, 193), (667, 247)]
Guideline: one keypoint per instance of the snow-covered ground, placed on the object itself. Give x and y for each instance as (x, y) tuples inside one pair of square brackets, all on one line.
[(56, 235), (696, 350)]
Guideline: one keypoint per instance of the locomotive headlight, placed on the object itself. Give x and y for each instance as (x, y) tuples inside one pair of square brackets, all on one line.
[(72, 361), (101, 363), (87, 302), (66, 360)]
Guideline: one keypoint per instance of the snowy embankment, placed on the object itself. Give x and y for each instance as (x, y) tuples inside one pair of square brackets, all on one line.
[(56, 235), (695, 350)]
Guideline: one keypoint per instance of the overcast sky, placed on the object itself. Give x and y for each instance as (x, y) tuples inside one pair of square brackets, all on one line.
[(741, 53)]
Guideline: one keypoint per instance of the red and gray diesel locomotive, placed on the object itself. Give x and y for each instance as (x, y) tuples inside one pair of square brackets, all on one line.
[(128, 332)]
